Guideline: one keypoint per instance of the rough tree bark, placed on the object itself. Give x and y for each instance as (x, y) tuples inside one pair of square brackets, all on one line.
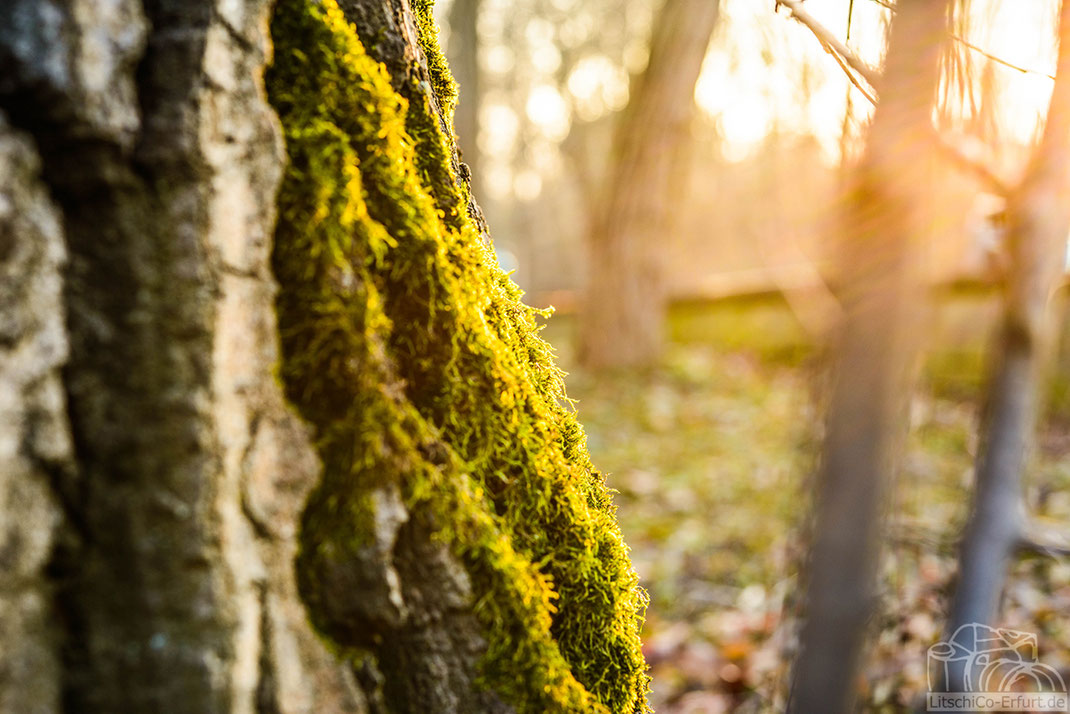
[(886, 219), (623, 313), (171, 585), (156, 486), (1038, 220), (34, 437)]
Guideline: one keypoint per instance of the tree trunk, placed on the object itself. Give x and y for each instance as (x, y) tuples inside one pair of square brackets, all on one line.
[(34, 437), (453, 542), (886, 220), (1038, 220), (165, 456), (623, 316)]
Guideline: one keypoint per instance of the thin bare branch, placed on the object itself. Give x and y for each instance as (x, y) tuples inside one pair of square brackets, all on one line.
[(850, 75), (830, 40), (975, 165), (853, 66), (981, 51), (998, 60), (1043, 538), (1051, 550)]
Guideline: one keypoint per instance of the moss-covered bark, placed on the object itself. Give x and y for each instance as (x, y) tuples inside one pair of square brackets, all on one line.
[(441, 419)]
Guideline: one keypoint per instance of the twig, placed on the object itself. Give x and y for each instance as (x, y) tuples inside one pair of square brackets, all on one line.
[(918, 535), (827, 38), (979, 50), (851, 64), (850, 75), (979, 167), (1040, 539), (1052, 550), (1032, 541), (1005, 63)]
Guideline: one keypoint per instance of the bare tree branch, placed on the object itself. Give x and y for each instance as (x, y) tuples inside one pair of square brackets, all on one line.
[(850, 75), (966, 43), (978, 166), (830, 40), (998, 60), (851, 64), (1043, 548)]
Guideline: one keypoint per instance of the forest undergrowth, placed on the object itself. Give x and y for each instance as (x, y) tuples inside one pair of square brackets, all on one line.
[(712, 454)]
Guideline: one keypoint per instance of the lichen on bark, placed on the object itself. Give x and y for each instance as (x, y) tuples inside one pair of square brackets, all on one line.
[(425, 380)]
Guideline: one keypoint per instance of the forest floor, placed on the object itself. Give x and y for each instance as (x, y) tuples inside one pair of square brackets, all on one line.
[(712, 455)]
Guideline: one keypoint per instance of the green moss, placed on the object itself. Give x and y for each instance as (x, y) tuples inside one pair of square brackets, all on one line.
[(411, 355), (441, 80)]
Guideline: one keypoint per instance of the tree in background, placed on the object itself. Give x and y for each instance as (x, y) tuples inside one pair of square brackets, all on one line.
[(464, 64), (1038, 221), (544, 70), (1037, 224), (623, 310), (886, 221), (456, 550)]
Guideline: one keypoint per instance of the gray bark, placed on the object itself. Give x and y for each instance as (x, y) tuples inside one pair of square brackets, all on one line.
[(35, 445), (1038, 220), (150, 493), (152, 475)]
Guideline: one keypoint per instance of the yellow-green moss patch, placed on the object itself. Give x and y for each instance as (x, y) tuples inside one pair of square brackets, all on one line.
[(412, 356)]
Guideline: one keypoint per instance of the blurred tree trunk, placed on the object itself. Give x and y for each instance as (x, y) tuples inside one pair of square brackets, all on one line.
[(464, 63), (623, 312), (887, 218), (157, 486), (1038, 222)]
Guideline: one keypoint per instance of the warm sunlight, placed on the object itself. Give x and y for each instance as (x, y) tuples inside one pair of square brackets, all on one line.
[(534, 356), (762, 76)]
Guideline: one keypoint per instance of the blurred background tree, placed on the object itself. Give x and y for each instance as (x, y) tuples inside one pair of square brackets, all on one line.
[(633, 211), (464, 64), (752, 271)]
